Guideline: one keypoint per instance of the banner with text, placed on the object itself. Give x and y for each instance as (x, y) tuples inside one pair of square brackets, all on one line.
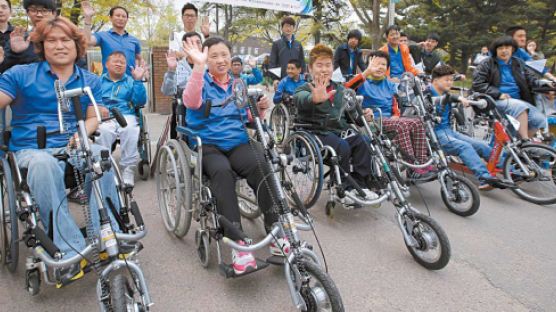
[(303, 7)]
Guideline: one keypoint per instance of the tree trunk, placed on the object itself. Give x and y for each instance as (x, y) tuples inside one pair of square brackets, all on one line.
[(375, 25), (75, 11), (318, 18)]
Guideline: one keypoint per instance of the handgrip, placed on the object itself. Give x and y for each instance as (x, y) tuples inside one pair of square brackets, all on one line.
[(230, 228), (45, 241), (41, 137), (119, 117), (77, 108)]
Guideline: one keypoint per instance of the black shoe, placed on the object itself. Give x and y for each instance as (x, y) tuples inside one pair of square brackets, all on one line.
[(498, 183), (421, 177)]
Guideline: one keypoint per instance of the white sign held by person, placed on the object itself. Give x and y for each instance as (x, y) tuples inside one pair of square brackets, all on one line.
[(303, 7)]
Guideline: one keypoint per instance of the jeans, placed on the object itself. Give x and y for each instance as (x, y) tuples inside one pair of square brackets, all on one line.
[(45, 178), (469, 150), (515, 107), (129, 136)]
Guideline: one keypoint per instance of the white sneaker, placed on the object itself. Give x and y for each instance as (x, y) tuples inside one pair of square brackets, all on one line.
[(129, 176), (369, 195)]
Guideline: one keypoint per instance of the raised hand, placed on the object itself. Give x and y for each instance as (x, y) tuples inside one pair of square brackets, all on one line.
[(172, 60), (371, 67), (18, 43), (198, 57), (319, 92), (205, 26), (88, 10), (139, 72), (252, 62)]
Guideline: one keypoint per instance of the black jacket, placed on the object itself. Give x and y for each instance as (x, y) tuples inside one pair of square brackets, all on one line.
[(430, 60), (342, 59), (281, 54), (486, 79)]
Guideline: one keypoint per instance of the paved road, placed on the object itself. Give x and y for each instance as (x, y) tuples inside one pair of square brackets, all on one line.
[(503, 259)]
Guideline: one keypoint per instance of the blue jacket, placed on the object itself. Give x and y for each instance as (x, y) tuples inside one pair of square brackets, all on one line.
[(224, 126), (288, 86), (254, 78), (125, 94)]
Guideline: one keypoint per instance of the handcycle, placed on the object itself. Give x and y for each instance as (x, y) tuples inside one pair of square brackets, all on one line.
[(458, 193), (185, 194), (528, 167), (425, 240), (107, 253)]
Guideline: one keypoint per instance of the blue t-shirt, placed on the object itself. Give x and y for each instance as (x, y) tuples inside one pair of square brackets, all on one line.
[(378, 94), (507, 80), (224, 126), (110, 41), (287, 86), (35, 103), (443, 111), (124, 94), (396, 63)]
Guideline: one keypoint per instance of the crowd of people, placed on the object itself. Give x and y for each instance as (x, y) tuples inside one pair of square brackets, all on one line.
[(201, 70)]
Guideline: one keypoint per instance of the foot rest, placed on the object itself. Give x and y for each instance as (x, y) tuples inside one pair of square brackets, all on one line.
[(423, 181), (227, 270), (276, 260)]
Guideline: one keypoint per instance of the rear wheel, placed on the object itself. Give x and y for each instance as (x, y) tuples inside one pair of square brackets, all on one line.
[(167, 183), (280, 123), (9, 233), (540, 186), (306, 169)]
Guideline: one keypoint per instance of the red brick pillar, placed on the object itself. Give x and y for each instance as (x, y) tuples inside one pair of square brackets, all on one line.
[(162, 103)]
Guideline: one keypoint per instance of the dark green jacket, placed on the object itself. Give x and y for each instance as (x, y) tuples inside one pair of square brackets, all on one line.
[(325, 117)]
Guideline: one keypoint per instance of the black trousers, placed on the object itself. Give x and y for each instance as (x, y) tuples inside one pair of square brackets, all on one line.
[(222, 167), (352, 150)]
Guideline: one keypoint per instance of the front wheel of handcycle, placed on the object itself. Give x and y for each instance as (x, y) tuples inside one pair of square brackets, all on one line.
[(9, 233), (123, 298), (540, 186), (432, 250), (318, 290), (463, 198)]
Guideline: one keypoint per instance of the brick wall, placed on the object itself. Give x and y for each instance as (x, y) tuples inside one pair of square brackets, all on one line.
[(162, 104)]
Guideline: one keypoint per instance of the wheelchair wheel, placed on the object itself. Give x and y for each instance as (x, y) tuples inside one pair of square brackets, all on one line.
[(203, 247), (122, 295), (9, 233), (280, 123), (168, 187), (185, 187), (306, 170), (144, 170)]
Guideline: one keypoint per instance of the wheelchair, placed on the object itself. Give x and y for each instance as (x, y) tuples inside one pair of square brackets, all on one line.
[(143, 144), (110, 255), (185, 194), (425, 240)]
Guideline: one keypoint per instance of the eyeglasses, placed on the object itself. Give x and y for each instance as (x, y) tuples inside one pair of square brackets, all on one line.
[(189, 15), (43, 11)]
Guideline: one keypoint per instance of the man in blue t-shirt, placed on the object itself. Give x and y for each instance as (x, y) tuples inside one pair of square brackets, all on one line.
[(115, 39), (29, 91), (126, 93), (469, 150), (292, 81)]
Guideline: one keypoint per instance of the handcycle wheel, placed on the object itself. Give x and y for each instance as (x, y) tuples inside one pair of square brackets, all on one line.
[(433, 248), (247, 208), (280, 122), (9, 233), (122, 295), (306, 169), (185, 188), (203, 247), (466, 199), (167, 184), (318, 290), (540, 187)]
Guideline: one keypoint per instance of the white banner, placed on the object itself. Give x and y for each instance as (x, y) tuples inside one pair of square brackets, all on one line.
[(304, 7)]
